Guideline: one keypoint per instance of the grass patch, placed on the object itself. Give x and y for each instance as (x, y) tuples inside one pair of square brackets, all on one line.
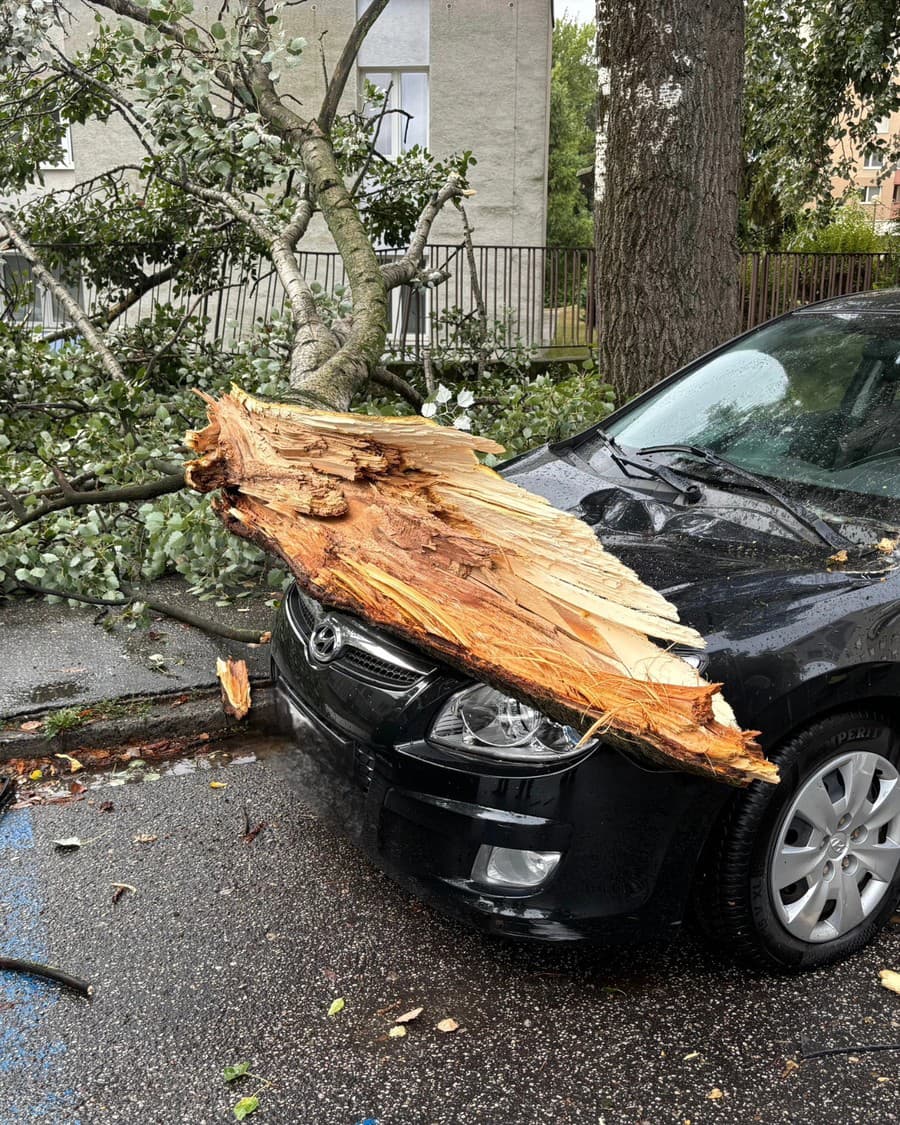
[(58, 722)]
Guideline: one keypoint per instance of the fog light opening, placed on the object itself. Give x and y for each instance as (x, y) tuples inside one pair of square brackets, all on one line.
[(513, 867)]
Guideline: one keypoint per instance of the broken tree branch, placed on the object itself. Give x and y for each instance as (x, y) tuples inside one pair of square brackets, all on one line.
[(73, 310), (395, 520), (120, 494), (405, 268), (346, 64), (244, 636), (393, 382)]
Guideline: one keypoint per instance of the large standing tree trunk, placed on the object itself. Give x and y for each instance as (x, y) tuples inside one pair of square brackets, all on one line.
[(668, 179)]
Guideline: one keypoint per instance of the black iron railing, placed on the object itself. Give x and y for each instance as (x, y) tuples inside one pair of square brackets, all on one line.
[(543, 297)]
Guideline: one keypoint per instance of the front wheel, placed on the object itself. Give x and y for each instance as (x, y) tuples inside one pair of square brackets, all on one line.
[(806, 872)]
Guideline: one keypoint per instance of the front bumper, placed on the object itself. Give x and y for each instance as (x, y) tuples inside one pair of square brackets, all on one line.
[(629, 837)]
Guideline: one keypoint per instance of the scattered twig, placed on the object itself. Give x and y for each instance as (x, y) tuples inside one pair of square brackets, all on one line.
[(14, 965), (861, 1049), (244, 636)]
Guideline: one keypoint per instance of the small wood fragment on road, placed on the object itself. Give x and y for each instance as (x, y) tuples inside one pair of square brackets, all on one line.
[(235, 683)]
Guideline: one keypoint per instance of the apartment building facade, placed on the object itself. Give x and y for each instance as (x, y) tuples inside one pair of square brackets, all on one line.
[(466, 74), (876, 183), (470, 74)]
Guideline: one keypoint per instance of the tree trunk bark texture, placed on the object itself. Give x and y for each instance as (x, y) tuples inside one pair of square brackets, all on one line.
[(667, 212), (395, 520)]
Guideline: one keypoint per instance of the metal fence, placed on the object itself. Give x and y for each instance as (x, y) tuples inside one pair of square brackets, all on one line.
[(542, 297)]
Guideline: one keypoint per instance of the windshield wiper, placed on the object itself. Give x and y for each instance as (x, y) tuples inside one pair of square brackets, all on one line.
[(691, 492), (799, 511)]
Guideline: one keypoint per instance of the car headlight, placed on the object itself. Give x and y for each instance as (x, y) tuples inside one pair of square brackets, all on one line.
[(485, 721)]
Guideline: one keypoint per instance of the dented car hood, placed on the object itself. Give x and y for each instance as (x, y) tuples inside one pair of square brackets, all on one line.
[(733, 564)]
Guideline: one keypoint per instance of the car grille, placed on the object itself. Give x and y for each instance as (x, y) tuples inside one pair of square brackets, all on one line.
[(305, 614)]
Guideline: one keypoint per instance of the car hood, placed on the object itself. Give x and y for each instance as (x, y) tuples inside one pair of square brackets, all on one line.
[(730, 563)]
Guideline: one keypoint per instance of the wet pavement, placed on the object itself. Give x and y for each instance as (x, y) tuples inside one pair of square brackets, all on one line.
[(65, 656), (229, 951)]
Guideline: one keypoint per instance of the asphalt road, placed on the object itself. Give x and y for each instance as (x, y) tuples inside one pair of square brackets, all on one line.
[(230, 951)]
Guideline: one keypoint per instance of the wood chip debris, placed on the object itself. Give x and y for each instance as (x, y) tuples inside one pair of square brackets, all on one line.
[(235, 683), (890, 979)]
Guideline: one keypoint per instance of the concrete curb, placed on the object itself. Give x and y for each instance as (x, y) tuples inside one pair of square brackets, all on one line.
[(168, 715)]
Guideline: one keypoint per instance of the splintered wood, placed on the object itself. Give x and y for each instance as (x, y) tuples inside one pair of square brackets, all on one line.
[(235, 683), (395, 520)]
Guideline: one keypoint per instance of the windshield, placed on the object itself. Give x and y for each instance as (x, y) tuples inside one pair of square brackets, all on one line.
[(812, 399)]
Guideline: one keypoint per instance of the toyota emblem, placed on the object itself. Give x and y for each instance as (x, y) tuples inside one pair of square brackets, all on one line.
[(326, 641)]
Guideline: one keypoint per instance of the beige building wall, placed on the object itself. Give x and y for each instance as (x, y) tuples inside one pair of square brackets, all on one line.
[(488, 75)]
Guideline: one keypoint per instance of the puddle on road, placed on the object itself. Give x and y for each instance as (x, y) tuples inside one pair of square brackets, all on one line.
[(62, 689)]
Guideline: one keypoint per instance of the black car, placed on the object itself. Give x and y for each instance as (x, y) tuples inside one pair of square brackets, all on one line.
[(759, 490)]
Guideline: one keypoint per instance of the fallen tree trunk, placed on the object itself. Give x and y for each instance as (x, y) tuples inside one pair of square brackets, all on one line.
[(395, 519)]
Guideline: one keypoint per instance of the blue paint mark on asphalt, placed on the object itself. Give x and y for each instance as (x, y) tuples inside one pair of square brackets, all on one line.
[(26, 1002)]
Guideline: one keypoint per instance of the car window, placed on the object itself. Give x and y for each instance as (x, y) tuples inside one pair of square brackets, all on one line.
[(812, 398)]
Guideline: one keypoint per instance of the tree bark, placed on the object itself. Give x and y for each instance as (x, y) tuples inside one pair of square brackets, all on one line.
[(667, 252), (395, 520)]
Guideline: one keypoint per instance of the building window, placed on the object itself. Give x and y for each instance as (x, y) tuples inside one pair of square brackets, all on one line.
[(871, 194), (883, 124), (873, 159), (404, 114), (24, 301), (395, 57)]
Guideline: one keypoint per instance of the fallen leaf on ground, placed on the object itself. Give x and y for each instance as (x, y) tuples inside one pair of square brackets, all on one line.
[(144, 838), (397, 1032), (692, 1055), (245, 1107), (890, 979), (69, 843), (790, 1066), (74, 764), (237, 1071), (714, 1094), (35, 775), (886, 546), (252, 833), (218, 785), (408, 1017), (106, 806), (837, 559), (32, 724), (76, 788), (336, 1006), (447, 1025)]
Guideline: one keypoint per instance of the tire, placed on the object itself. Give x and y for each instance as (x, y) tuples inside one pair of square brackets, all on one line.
[(754, 896)]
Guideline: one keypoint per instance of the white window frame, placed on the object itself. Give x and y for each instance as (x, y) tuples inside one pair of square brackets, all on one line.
[(866, 194), (873, 160), (396, 122), (883, 124)]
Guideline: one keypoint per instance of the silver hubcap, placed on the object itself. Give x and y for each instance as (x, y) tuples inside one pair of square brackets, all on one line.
[(837, 847)]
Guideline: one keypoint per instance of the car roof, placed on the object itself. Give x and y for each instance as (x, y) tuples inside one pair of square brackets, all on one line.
[(879, 302)]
